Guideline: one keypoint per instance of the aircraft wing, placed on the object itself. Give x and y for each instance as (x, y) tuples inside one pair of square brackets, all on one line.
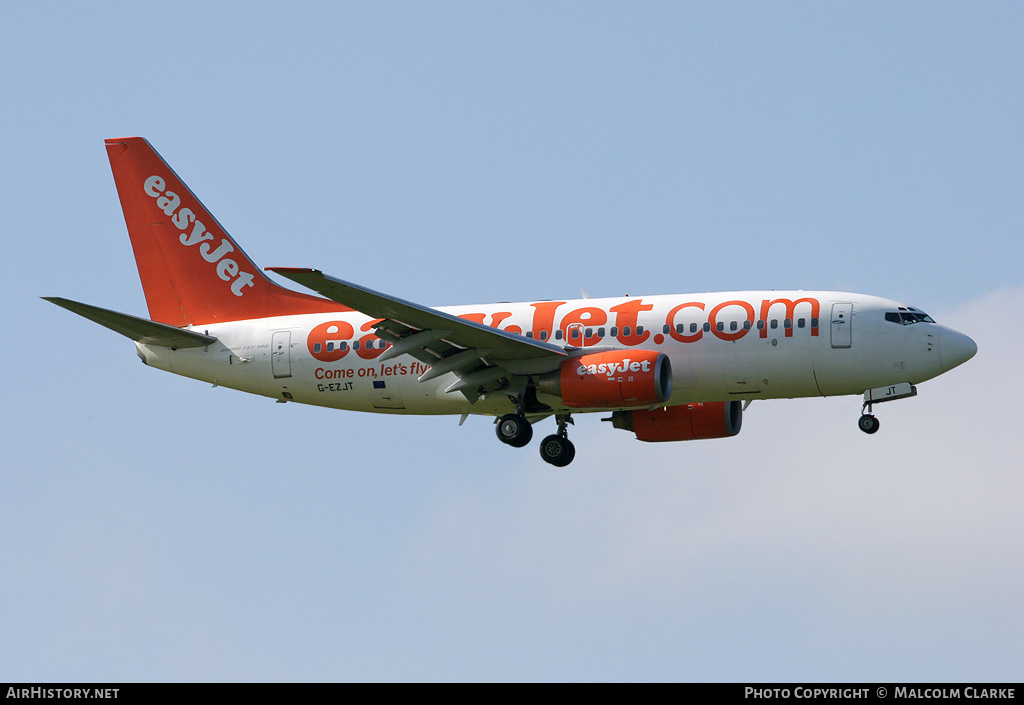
[(482, 357)]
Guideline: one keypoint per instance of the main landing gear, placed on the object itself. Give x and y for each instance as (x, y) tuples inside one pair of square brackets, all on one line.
[(557, 449), (515, 430)]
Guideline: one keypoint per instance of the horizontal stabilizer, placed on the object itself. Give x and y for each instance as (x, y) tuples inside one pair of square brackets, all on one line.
[(138, 329)]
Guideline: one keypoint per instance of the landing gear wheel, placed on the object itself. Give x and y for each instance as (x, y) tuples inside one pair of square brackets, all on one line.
[(514, 429), (868, 423), (557, 450)]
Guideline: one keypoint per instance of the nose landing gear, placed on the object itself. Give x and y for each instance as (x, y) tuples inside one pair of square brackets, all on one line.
[(867, 422)]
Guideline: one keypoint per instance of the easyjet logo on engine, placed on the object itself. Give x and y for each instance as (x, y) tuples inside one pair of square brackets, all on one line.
[(227, 269), (611, 368)]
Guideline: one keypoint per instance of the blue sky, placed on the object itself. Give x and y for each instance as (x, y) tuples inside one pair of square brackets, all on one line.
[(152, 528)]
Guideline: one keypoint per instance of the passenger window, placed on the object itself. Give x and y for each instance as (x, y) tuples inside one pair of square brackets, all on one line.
[(789, 323), (665, 329), (543, 335), (733, 325), (600, 332), (615, 331), (316, 347), (693, 327), (707, 327), (680, 328), (625, 331), (800, 323), (355, 345), (746, 325), (639, 330), (760, 325), (558, 334), (774, 324)]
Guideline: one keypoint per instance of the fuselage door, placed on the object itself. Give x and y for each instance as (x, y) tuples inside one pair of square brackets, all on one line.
[(384, 397), (280, 354), (842, 325)]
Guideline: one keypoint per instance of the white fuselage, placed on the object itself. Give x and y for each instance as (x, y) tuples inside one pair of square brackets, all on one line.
[(722, 346)]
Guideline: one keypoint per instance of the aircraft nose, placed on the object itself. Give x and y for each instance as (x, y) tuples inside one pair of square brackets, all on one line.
[(957, 348)]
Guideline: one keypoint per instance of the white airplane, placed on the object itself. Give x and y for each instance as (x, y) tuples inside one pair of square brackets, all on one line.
[(668, 368)]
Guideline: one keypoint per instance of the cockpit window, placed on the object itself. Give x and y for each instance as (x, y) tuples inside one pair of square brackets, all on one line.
[(908, 316)]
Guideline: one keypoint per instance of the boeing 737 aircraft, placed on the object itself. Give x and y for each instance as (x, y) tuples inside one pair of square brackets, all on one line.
[(666, 368)]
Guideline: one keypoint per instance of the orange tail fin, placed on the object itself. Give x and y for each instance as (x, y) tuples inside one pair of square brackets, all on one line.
[(192, 271)]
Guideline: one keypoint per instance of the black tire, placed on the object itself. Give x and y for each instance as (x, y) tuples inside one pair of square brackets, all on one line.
[(557, 451), (514, 430), (868, 423), (570, 453)]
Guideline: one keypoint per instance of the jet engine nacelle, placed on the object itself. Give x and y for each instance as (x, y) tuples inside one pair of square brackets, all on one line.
[(686, 422), (612, 379)]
